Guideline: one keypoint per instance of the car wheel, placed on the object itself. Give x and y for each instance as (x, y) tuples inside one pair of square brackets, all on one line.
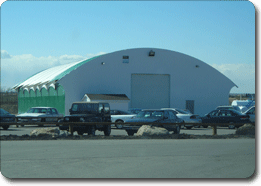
[(177, 130), (80, 132), (42, 120), (231, 126), (188, 127), (5, 127), (91, 131), (130, 132), (119, 124), (205, 126), (107, 130), (59, 121)]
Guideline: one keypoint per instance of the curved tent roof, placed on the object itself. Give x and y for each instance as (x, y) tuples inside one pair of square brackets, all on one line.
[(51, 74)]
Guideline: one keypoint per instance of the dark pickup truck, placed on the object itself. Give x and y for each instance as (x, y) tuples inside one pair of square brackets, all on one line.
[(94, 112)]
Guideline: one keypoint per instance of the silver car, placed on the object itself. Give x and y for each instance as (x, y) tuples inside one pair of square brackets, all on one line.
[(40, 114)]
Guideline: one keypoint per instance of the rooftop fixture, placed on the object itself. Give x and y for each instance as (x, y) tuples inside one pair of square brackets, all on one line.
[(151, 53)]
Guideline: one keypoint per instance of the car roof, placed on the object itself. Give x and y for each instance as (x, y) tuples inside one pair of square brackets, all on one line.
[(226, 106), (42, 107), (152, 110), (88, 102), (229, 110)]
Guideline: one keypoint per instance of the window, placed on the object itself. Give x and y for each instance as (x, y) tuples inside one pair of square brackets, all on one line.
[(49, 111), (175, 112), (113, 112), (214, 113), (172, 115), (251, 111), (74, 107), (54, 111), (100, 108), (166, 114), (106, 108)]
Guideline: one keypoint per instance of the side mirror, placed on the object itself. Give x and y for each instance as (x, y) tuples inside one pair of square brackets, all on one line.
[(208, 116), (70, 110)]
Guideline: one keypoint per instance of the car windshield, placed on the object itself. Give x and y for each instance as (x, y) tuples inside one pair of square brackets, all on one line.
[(3, 112), (225, 108), (237, 112), (126, 113), (85, 107), (150, 114), (37, 110), (182, 111)]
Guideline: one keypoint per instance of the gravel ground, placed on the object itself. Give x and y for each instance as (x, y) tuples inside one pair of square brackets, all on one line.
[(246, 131)]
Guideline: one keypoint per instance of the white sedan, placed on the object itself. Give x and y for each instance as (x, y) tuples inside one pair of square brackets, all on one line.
[(186, 116), (118, 117), (40, 114)]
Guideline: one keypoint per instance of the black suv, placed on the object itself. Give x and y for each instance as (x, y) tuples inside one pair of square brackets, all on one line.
[(6, 117), (89, 112)]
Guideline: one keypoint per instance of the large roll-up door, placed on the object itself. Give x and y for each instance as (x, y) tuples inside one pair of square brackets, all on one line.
[(150, 91)]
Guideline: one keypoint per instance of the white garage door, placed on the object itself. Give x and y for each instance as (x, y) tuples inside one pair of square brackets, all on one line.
[(150, 91)]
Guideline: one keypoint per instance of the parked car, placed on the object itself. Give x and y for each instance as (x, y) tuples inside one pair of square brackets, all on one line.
[(228, 108), (89, 112), (40, 114), (6, 117), (252, 114), (156, 116), (186, 116), (118, 117), (226, 116), (243, 105), (134, 110)]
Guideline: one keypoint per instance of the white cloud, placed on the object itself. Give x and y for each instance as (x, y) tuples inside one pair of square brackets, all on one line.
[(93, 55), (71, 57), (243, 75), (4, 54), (16, 68)]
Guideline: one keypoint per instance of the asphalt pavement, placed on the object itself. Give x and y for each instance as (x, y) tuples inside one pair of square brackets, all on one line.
[(136, 158)]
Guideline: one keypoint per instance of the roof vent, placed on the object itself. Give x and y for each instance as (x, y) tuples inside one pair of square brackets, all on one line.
[(151, 53)]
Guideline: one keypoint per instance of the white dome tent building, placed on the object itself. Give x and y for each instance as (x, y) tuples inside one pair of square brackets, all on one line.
[(149, 78)]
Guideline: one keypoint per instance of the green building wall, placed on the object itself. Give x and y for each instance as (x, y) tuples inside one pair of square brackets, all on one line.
[(41, 98)]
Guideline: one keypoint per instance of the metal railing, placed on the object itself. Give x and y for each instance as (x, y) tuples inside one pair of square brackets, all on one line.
[(72, 124)]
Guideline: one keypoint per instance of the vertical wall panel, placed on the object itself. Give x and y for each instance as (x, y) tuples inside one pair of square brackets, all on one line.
[(150, 91)]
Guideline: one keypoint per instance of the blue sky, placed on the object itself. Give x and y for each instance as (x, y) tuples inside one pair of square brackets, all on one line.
[(38, 35)]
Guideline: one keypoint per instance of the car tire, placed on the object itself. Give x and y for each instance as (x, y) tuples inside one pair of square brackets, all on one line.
[(80, 132), (42, 120), (205, 126), (91, 131), (177, 130), (107, 130), (231, 126), (130, 132), (119, 124), (188, 127), (5, 127)]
